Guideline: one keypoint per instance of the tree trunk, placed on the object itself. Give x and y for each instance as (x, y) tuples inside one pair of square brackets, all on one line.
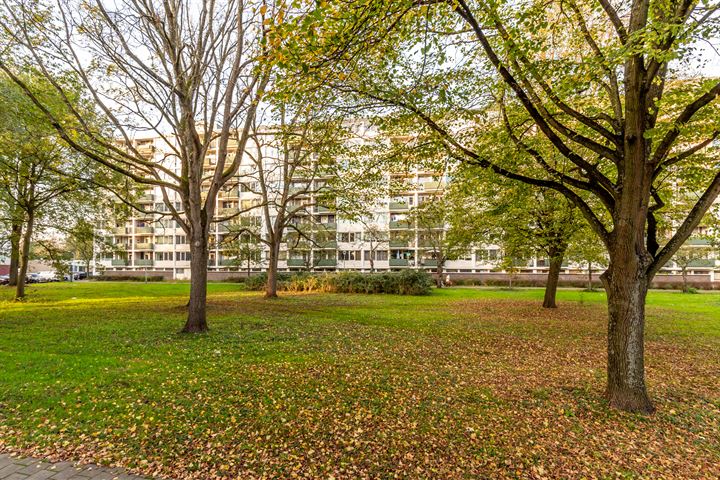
[(271, 286), (24, 256), (685, 280), (590, 285), (15, 237), (553, 278), (626, 291), (439, 274), (199, 253)]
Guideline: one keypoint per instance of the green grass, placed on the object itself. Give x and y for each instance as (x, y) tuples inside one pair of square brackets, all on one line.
[(462, 383)]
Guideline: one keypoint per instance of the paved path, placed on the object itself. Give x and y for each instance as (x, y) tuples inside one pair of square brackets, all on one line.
[(20, 468)]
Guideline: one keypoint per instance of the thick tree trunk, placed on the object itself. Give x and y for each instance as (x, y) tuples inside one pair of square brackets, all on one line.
[(15, 237), (553, 278), (271, 286), (439, 274), (24, 256), (197, 318), (626, 292)]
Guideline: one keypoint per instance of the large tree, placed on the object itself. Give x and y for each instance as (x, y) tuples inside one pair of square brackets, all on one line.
[(604, 102), (40, 177), (189, 73)]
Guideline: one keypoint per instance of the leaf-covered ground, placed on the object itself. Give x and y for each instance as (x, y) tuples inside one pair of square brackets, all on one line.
[(465, 383)]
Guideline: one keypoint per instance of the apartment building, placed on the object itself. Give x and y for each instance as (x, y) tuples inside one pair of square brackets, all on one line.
[(384, 240)]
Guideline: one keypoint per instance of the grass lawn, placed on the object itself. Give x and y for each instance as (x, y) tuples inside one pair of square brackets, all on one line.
[(464, 383)]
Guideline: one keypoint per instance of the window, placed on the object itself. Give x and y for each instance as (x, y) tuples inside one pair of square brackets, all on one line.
[(182, 256), (181, 240), (348, 237), (350, 255), (164, 256), (381, 255)]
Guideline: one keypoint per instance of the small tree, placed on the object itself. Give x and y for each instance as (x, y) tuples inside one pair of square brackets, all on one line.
[(374, 237), (290, 162), (432, 218), (241, 244), (585, 249), (686, 257)]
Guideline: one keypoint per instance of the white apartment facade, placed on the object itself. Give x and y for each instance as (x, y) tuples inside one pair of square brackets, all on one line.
[(154, 242)]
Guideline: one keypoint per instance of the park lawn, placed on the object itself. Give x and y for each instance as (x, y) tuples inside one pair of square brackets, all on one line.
[(464, 383)]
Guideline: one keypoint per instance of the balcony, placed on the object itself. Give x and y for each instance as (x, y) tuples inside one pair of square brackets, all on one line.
[(143, 262), (702, 263), (399, 243), (697, 241), (144, 246), (432, 186), (399, 225), (147, 198), (295, 262), (328, 226), (329, 244), (119, 262), (429, 262), (232, 193), (321, 209), (226, 212), (327, 262), (398, 206), (144, 230), (399, 262), (120, 231)]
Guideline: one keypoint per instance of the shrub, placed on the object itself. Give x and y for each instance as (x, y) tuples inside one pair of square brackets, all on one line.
[(406, 282)]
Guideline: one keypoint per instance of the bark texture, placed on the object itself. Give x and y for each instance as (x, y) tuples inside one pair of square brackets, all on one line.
[(24, 256), (626, 291), (15, 237), (197, 317), (549, 301), (271, 286)]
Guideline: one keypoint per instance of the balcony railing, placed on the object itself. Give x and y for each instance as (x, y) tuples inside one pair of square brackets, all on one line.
[(329, 244), (144, 246), (399, 225), (120, 231), (143, 262), (327, 262), (398, 206), (399, 262), (119, 262), (295, 262), (702, 263), (328, 226), (399, 243), (146, 230), (429, 262)]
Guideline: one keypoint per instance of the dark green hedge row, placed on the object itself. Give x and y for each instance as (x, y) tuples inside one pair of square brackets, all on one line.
[(406, 282)]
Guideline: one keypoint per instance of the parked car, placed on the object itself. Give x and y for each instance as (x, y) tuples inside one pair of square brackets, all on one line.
[(48, 276), (32, 278), (4, 279)]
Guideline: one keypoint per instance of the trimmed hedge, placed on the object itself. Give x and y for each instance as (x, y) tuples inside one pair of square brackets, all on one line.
[(406, 282)]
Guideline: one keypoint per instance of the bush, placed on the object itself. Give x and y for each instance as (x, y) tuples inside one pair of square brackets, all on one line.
[(407, 282)]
